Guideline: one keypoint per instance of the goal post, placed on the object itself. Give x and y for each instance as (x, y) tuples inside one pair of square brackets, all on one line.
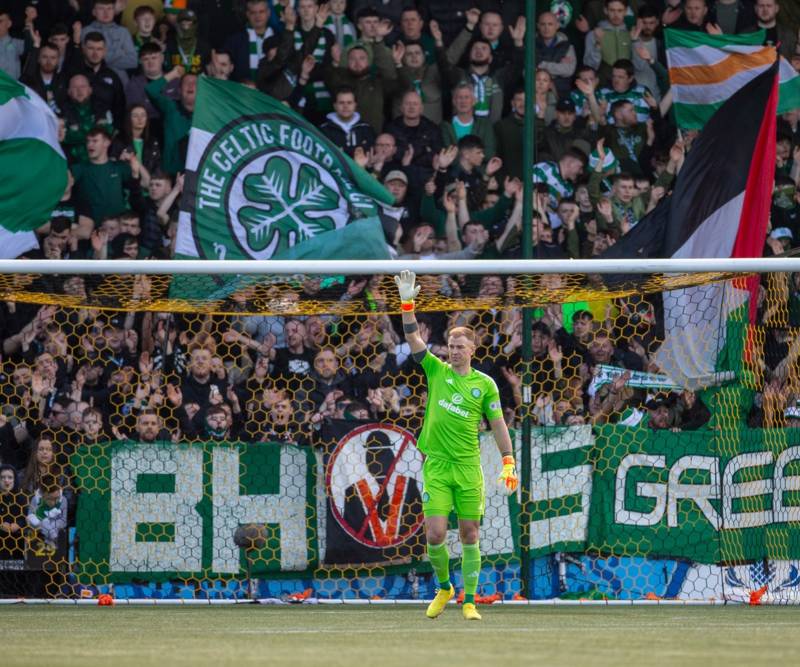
[(197, 430)]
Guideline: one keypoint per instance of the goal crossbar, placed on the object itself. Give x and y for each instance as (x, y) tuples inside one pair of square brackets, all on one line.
[(422, 267)]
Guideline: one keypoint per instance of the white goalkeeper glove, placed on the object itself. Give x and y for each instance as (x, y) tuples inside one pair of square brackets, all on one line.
[(405, 286)]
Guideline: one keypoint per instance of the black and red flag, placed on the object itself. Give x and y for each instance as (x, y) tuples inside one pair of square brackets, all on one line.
[(719, 208)]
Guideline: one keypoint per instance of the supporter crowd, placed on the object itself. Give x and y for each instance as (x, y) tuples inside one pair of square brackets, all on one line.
[(428, 98)]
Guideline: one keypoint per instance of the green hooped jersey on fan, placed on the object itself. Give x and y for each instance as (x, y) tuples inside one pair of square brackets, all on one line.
[(456, 405)]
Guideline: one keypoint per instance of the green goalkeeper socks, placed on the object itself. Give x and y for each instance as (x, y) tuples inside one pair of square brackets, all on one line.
[(470, 570), (440, 559)]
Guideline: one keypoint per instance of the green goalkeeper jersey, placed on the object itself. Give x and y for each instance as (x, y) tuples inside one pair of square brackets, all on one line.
[(456, 404)]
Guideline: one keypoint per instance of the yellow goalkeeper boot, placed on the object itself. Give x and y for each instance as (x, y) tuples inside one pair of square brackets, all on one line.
[(439, 602), (470, 612)]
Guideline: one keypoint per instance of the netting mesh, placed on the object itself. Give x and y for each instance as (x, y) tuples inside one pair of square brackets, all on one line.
[(334, 294), (271, 451)]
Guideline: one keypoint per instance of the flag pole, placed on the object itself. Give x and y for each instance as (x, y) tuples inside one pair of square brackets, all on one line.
[(528, 158)]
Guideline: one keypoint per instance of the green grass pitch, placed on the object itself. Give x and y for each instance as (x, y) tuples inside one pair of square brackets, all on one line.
[(389, 636)]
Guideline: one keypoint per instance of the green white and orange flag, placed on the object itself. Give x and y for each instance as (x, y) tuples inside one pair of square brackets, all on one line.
[(706, 70), (175, 6)]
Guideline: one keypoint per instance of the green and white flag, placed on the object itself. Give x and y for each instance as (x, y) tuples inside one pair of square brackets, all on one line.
[(705, 70), (263, 183), (638, 379), (32, 163)]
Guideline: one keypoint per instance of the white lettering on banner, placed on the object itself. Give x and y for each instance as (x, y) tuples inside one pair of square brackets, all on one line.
[(559, 484), (285, 133), (657, 492), (130, 508), (286, 508), (699, 493), (210, 189), (783, 484), (222, 165), (668, 495), (750, 489), (359, 200)]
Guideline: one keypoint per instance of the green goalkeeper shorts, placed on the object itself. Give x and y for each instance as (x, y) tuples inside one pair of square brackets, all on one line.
[(452, 485)]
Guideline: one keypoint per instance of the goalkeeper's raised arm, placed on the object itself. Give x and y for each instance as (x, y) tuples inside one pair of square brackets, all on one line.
[(408, 291)]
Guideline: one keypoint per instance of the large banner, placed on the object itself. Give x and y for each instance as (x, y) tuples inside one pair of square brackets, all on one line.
[(161, 511), (706, 496), (205, 511), (374, 487), (201, 511)]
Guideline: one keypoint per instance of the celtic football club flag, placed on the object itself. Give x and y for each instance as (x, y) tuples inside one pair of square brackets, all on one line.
[(263, 183)]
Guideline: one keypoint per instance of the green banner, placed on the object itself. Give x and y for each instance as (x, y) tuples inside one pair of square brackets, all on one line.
[(561, 488), (709, 496), (162, 511)]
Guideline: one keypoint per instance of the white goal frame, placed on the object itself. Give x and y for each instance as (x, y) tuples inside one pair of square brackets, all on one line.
[(422, 267)]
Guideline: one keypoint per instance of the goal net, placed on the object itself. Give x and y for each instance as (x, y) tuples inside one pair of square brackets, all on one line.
[(231, 436)]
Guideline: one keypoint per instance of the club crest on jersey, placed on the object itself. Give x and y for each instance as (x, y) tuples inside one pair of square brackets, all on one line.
[(476, 393)]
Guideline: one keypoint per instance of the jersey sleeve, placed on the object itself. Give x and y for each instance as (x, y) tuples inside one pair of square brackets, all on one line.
[(491, 401), (431, 364)]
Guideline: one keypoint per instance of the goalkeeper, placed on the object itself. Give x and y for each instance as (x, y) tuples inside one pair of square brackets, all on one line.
[(458, 398)]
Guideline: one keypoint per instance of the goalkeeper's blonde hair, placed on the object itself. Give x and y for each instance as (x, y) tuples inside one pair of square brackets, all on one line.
[(466, 332)]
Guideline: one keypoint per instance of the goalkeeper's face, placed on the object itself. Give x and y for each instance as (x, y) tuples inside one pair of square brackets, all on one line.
[(460, 350)]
